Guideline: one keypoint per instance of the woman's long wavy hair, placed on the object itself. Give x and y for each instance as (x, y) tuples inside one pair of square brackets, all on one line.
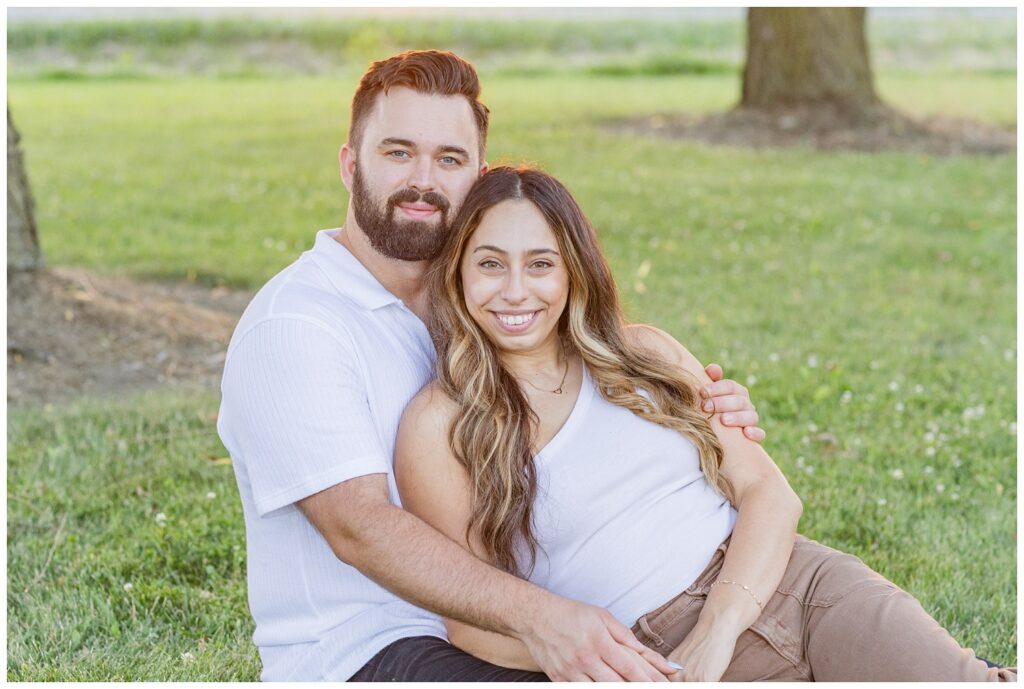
[(492, 433)]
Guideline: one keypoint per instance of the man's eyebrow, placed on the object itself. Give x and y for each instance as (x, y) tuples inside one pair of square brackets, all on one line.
[(449, 148), (454, 149), (394, 141), (531, 252)]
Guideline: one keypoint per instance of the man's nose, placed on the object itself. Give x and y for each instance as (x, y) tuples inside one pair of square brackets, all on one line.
[(421, 177)]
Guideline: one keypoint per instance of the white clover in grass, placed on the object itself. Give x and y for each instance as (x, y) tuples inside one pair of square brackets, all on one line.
[(205, 595), (899, 407), (929, 451), (928, 469), (812, 427), (954, 496), (939, 488), (919, 389), (161, 518), (971, 413), (929, 437), (812, 361), (882, 502), (211, 495), (874, 365), (773, 357), (187, 657), (751, 380), (1008, 355), (128, 587), (800, 461), (894, 386), (897, 474), (847, 396), (809, 469), (956, 462)]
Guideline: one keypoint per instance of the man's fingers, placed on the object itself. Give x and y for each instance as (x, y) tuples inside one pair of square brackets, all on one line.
[(603, 673), (754, 433), (654, 659), (634, 668), (723, 388), (626, 637), (739, 419), (731, 404), (714, 371)]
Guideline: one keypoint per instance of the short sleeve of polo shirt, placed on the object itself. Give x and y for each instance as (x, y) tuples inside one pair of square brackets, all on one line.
[(298, 411)]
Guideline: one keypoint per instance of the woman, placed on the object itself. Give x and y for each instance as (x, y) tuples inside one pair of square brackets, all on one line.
[(560, 444)]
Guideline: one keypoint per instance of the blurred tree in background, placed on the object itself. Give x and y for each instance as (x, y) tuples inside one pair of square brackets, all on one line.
[(808, 57), (22, 240)]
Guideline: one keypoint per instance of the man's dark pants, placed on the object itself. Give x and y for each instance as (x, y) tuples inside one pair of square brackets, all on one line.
[(430, 659)]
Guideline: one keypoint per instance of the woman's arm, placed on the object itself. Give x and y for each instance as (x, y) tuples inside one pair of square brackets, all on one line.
[(435, 487), (767, 515)]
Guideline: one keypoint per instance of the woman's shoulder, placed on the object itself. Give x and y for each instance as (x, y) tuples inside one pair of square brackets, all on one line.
[(430, 408), (664, 345)]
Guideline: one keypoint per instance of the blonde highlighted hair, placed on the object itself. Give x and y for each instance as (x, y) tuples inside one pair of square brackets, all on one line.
[(492, 434)]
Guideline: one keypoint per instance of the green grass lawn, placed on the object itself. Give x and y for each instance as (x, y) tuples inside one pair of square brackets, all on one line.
[(867, 300)]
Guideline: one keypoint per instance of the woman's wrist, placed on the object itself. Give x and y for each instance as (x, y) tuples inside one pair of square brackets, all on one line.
[(728, 612)]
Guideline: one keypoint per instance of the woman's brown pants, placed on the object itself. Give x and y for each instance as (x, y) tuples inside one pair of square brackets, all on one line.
[(831, 619)]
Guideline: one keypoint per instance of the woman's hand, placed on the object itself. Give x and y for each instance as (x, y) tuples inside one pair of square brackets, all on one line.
[(705, 654)]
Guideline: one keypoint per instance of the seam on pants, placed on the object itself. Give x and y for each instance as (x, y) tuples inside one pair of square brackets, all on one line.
[(783, 640), (672, 615)]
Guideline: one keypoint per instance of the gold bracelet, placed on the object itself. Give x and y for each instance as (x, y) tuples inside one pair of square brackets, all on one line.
[(745, 588)]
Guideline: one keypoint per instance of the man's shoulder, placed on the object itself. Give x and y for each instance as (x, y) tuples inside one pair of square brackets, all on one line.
[(300, 292)]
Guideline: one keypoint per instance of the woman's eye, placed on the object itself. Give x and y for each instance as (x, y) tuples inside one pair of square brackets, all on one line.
[(489, 264), (542, 265)]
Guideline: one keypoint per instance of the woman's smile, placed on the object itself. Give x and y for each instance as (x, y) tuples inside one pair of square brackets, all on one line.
[(516, 322)]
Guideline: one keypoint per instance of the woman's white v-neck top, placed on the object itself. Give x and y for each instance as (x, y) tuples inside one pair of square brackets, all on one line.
[(624, 516)]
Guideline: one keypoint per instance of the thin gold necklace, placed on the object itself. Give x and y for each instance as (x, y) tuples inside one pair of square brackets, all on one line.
[(558, 390)]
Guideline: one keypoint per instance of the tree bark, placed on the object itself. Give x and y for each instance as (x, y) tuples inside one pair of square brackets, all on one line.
[(22, 240), (808, 57)]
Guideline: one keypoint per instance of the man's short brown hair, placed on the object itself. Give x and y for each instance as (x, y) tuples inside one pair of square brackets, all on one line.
[(426, 71)]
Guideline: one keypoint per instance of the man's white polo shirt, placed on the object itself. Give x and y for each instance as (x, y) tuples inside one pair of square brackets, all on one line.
[(318, 372)]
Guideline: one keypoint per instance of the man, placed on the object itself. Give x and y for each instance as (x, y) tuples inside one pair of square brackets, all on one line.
[(318, 372)]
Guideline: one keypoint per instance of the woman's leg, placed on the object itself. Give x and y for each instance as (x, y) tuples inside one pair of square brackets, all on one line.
[(831, 619), (859, 626)]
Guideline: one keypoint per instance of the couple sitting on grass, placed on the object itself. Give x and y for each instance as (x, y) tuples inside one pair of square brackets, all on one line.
[(577, 505)]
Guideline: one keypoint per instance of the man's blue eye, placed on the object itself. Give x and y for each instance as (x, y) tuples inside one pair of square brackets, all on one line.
[(399, 154)]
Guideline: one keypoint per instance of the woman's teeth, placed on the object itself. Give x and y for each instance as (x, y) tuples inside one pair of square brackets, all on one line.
[(516, 320)]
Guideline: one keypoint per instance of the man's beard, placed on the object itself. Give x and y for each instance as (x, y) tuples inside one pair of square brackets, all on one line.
[(405, 240)]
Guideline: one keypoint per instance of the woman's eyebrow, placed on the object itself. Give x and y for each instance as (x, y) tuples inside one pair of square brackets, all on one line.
[(531, 252)]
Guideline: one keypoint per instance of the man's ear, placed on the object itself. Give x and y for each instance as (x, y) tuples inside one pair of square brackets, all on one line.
[(347, 163), (483, 168)]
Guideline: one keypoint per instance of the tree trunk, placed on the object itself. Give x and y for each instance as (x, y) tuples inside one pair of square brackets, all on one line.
[(22, 241), (808, 57)]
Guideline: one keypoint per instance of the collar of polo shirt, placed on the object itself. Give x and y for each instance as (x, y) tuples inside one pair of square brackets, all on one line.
[(348, 275)]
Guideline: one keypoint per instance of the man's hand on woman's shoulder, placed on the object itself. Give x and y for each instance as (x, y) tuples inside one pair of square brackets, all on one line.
[(727, 398)]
